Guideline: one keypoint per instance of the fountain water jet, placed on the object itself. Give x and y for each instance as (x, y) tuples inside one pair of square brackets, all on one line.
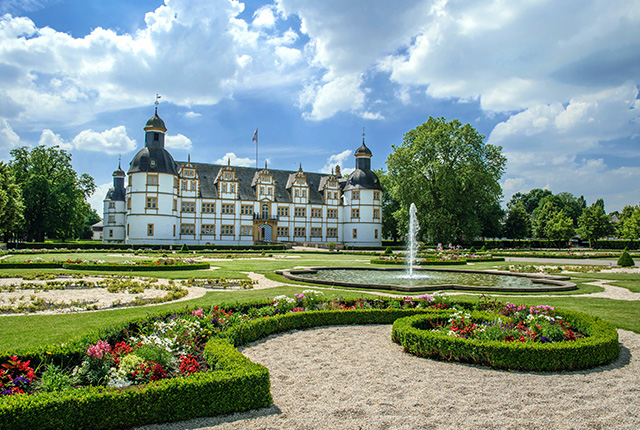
[(413, 238)]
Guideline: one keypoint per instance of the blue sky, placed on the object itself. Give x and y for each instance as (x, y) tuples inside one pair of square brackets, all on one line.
[(554, 83)]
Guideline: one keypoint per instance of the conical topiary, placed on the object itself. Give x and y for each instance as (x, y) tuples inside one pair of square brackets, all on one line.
[(483, 249), (472, 250), (625, 260)]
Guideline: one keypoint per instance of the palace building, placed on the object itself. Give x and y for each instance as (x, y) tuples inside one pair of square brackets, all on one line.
[(169, 202)]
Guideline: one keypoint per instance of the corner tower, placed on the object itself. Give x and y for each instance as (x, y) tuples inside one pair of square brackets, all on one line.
[(152, 190), (114, 211), (362, 212)]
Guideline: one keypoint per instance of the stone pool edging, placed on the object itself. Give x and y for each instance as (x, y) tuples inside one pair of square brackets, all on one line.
[(553, 283)]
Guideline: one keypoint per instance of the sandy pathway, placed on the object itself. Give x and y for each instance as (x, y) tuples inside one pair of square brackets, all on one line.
[(354, 377)]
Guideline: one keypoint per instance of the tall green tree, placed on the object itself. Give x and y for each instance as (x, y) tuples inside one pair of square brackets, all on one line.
[(629, 225), (551, 222), (518, 222), (11, 206), (530, 200), (389, 207), (593, 224), (447, 170), (54, 194)]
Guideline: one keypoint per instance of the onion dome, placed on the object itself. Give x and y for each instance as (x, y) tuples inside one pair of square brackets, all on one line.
[(363, 151), (155, 123)]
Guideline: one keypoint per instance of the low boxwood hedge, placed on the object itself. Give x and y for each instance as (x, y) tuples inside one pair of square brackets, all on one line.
[(600, 347), (135, 267), (32, 265)]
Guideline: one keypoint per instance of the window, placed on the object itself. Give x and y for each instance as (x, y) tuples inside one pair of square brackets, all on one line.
[(110, 233), (332, 213), (375, 233), (175, 205), (187, 229), (283, 211), (111, 219), (112, 205), (265, 211), (355, 213), (175, 182), (316, 212), (283, 231), (149, 229), (152, 179), (226, 230), (156, 137), (232, 188), (189, 173), (335, 195), (208, 229), (376, 214), (208, 208), (184, 185), (193, 185), (227, 209), (297, 193), (224, 188), (245, 230), (299, 232), (355, 233), (332, 232), (127, 229), (304, 193), (174, 230), (355, 195), (129, 203), (269, 191), (300, 212), (246, 210), (188, 207), (152, 202), (261, 190), (376, 195), (316, 232)]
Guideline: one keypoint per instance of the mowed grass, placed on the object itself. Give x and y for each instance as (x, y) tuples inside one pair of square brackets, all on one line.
[(18, 332)]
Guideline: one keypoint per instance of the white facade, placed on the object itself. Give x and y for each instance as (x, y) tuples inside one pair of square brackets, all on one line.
[(175, 203)]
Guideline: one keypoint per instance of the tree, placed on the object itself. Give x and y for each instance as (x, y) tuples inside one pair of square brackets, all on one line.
[(53, 193), (91, 217), (593, 224), (552, 223), (531, 200), (629, 225), (518, 223), (11, 206), (446, 169), (389, 207)]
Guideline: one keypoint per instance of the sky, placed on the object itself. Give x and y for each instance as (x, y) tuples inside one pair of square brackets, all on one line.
[(554, 83)]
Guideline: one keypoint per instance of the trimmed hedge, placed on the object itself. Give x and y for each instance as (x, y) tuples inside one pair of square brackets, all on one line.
[(600, 347), (33, 265), (126, 247), (136, 268), (236, 385)]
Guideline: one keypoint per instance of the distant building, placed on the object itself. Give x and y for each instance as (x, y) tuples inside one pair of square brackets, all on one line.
[(169, 202), (96, 231)]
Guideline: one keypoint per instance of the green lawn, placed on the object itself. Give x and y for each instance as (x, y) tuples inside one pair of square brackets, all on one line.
[(31, 330)]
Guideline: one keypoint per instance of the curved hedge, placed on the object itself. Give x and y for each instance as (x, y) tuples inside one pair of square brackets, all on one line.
[(135, 268), (600, 347)]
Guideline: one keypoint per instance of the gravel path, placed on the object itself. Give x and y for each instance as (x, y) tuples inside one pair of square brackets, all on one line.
[(354, 377)]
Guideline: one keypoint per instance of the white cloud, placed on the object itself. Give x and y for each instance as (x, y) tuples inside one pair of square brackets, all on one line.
[(97, 198), (192, 115), (178, 141), (288, 56), (235, 160), (372, 115), (340, 94), (338, 160), (49, 138), (8, 138), (113, 141), (264, 17)]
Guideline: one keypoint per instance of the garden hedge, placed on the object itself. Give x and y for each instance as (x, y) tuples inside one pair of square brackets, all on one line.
[(136, 268), (237, 384), (32, 265), (600, 347)]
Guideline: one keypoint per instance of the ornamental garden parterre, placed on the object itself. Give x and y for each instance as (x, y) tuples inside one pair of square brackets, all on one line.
[(154, 362)]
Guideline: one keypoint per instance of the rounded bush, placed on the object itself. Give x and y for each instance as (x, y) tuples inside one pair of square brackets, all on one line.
[(599, 347)]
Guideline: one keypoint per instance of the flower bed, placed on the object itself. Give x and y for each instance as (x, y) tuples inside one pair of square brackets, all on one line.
[(162, 264), (175, 367), (511, 337)]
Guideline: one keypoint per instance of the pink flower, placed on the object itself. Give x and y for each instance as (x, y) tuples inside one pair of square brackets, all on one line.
[(198, 313), (99, 349)]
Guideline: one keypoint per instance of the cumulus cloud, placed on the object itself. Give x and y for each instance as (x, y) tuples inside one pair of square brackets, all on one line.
[(97, 198), (235, 160), (192, 115), (264, 17), (339, 159), (340, 94), (178, 141), (113, 141), (8, 138), (49, 138)]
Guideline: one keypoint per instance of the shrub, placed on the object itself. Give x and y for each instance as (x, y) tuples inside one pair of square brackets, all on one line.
[(331, 245), (625, 260), (472, 250), (388, 251)]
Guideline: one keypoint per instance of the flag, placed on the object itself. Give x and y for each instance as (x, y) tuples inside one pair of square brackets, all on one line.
[(255, 136)]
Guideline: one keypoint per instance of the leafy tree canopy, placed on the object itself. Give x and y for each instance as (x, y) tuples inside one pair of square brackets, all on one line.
[(54, 195), (11, 206), (446, 169), (594, 223), (518, 222)]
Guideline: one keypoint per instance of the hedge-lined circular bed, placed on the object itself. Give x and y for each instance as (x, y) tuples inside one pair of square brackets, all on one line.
[(229, 382)]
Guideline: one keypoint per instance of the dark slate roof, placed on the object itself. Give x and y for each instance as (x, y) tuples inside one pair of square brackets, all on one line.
[(164, 162), (116, 193), (363, 150), (155, 122), (362, 179), (245, 175)]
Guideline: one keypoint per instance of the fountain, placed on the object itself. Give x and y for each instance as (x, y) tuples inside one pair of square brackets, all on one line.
[(412, 250)]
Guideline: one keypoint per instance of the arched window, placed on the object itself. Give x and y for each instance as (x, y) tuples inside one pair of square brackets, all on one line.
[(265, 211)]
